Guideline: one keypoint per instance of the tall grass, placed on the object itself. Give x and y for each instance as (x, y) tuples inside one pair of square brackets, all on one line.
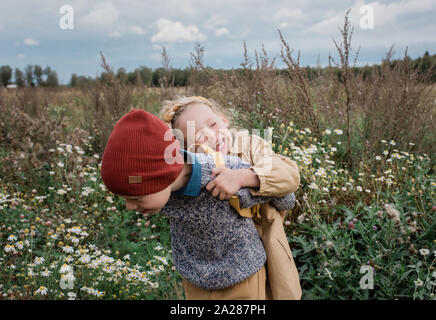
[(364, 144)]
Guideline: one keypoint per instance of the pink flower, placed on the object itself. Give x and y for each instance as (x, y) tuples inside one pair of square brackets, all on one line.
[(351, 225)]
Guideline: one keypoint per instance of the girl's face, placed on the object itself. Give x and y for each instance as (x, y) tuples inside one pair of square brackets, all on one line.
[(151, 203), (207, 127)]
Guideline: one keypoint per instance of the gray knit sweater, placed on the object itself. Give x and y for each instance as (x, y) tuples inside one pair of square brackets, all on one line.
[(214, 247)]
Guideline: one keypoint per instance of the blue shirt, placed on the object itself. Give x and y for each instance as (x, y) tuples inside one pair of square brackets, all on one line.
[(193, 187)]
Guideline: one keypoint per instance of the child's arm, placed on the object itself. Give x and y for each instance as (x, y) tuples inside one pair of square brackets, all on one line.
[(278, 174), (246, 198), (228, 181), (231, 181)]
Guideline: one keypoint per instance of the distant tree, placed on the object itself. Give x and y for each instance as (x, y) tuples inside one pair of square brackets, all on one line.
[(19, 77), (122, 75), (157, 76), (425, 63), (104, 78), (138, 79), (5, 75), (81, 81), (181, 77), (29, 75), (135, 78), (146, 75), (38, 72), (74, 80), (45, 72), (51, 79)]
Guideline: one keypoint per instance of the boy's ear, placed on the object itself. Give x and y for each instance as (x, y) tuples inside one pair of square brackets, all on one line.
[(224, 119)]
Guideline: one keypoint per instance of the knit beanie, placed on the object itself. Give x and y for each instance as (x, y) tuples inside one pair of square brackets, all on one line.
[(141, 156)]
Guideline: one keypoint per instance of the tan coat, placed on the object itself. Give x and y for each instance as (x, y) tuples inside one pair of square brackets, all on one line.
[(278, 176)]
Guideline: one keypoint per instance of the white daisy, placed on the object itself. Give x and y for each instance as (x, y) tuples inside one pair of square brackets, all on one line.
[(71, 296), (41, 290), (418, 283), (424, 252), (65, 268)]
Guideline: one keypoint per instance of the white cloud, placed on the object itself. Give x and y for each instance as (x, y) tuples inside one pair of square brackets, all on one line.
[(21, 56), (170, 31), (155, 57), (115, 34), (137, 30), (127, 29), (216, 21), (287, 17), (102, 17), (241, 35), (30, 42), (221, 32), (384, 15), (286, 13)]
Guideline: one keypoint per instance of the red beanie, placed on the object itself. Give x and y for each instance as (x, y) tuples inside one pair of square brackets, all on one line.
[(141, 156)]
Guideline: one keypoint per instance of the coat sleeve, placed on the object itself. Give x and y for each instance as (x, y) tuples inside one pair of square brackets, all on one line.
[(278, 175)]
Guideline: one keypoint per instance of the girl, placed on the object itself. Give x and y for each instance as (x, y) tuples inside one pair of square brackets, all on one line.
[(197, 120)]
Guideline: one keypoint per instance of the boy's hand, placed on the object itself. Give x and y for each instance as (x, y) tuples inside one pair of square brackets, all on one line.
[(226, 184)]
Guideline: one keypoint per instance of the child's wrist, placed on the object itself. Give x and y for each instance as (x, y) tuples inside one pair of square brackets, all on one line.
[(248, 178)]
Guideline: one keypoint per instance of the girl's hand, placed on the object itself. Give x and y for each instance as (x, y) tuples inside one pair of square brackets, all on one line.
[(226, 184)]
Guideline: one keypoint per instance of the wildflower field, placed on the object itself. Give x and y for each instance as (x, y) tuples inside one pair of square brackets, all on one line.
[(364, 223)]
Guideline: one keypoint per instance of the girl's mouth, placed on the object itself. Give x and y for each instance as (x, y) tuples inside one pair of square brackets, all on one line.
[(221, 142)]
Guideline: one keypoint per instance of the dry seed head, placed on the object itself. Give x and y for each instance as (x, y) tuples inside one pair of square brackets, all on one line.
[(392, 212)]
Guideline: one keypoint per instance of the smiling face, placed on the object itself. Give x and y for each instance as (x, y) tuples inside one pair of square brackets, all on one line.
[(210, 128)]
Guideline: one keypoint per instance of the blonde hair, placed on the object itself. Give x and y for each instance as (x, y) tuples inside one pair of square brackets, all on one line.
[(172, 109)]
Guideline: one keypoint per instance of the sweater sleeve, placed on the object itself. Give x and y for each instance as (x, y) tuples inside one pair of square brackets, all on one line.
[(247, 200)]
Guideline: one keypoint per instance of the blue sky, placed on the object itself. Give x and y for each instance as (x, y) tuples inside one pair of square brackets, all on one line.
[(132, 32)]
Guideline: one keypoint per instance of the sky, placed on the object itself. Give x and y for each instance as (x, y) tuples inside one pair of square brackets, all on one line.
[(69, 35)]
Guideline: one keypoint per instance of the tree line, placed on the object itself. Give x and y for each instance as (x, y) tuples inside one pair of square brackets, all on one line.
[(35, 75), (31, 76)]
